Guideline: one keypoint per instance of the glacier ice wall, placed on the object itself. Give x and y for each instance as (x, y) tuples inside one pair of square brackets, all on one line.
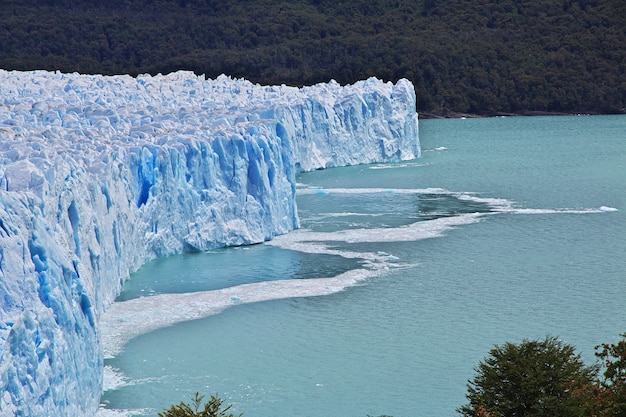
[(100, 174)]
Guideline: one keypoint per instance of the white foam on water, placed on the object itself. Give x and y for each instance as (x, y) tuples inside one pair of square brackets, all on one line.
[(321, 248), (411, 232), (351, 214), (113, 378), (601, 209), (396, 166), (374, 167), (128, 319), (497, 204), (108, 412), (317, 190)]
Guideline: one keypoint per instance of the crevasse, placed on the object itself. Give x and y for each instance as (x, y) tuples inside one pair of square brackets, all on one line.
[(100, 174)]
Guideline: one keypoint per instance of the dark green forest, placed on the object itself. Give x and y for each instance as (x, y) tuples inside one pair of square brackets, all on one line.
[(481, 57)]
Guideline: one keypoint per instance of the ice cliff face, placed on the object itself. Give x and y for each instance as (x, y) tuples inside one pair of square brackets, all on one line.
[(100, 174)]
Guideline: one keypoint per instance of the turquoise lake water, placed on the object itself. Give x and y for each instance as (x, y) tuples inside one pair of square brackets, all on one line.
[(505, 229)]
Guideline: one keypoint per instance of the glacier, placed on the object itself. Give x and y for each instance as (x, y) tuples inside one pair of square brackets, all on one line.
[(100, 174)]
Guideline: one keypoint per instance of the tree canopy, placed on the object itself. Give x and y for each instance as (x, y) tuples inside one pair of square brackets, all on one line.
[(212, 408), (547, 378), (532, 379), (611, 393), (483, 56)]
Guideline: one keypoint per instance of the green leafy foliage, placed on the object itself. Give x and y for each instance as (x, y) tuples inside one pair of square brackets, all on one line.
[(483, 56), (212, 408), (612, 393), (533, 378)]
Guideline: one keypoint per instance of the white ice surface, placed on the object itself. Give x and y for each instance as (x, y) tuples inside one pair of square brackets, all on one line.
[(100, 174)]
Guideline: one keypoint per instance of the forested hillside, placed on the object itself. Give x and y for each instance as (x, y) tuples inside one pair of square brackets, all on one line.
[(464, 56)]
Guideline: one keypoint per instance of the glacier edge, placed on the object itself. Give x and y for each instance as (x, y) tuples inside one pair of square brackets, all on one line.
[(100, 174)]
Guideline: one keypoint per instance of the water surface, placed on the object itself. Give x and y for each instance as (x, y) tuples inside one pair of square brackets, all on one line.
[(506, 228)]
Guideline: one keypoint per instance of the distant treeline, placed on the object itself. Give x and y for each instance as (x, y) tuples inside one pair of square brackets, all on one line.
[(478, 56)]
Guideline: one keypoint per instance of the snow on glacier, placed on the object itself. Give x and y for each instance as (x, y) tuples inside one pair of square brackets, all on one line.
[(100, 174)]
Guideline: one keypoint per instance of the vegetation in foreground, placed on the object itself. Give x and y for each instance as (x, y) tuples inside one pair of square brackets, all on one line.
[(212, 408), (483, 56), (535, 378), (546, 379)]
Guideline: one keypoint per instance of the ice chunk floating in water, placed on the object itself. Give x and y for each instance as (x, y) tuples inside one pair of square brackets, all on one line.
[(100, 174)]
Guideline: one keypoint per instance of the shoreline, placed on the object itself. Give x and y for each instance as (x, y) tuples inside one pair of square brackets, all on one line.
[(459, 115)]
